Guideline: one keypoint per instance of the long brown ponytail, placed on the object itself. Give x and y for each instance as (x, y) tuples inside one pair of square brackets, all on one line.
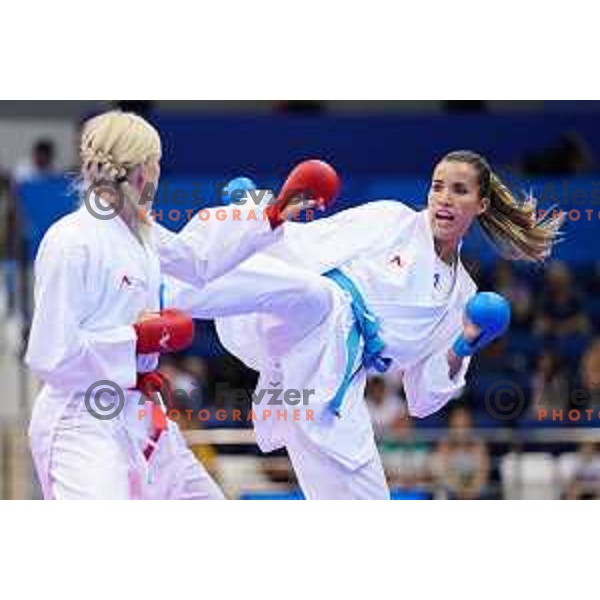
[(511, 224)]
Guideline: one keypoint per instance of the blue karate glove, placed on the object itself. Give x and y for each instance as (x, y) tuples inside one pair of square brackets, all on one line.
[(232, 192), (488, 311)]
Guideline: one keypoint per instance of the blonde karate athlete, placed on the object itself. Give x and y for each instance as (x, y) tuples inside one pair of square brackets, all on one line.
[(382, 286), (98, 318)]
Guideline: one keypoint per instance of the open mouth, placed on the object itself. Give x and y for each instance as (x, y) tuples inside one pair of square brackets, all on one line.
[(444, 215)]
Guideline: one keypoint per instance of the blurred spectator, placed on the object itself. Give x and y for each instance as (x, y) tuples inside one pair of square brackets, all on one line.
[(406, 459), (462, 462), (182, 376), (188, 377), (590, 366), (140, 107), (41, 163), (590, 373), (517, 291), (593, 282), (562, 312), (300, 107), (5, 210), (569, 156), (195, 368), (496, 358), (549, 385), (528, 475), (585, 479), (384, 404), (279, 471), (465, 106)]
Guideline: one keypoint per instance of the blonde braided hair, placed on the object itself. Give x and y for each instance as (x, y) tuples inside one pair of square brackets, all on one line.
[(112, 145), (115, 142), (98, 165)]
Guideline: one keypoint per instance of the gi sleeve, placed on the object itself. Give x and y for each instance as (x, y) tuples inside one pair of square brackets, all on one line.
[(61, 350), (428, 387), (326, 243), (208, 248)]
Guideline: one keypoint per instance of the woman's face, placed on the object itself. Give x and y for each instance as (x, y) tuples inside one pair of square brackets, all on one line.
[(454, 200)]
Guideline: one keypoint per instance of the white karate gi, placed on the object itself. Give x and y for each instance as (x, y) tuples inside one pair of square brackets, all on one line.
[(92, 280), (296, 334)]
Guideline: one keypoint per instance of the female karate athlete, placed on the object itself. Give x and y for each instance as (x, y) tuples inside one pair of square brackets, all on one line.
[(98, 318), (383, 286)]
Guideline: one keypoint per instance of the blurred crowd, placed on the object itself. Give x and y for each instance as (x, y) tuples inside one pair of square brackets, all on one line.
[(551, 353)]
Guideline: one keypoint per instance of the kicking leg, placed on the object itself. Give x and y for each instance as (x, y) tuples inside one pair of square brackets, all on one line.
[(323, 478), (295, 299)]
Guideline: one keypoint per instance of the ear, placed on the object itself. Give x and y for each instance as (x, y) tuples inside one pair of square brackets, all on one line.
[(483, 206), (138, 178)]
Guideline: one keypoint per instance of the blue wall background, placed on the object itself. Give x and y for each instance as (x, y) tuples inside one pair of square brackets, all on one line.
[(372, 145), (45, 201)]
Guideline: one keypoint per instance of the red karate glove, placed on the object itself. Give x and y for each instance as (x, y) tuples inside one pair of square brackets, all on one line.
[(149, 384), (171, 331), (312, 179)]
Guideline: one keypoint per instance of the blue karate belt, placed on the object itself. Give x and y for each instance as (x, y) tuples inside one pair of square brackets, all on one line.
[(365, 327)]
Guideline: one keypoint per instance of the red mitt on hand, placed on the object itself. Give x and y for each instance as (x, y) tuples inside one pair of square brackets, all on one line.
[(312, 179), (150, 383), (171, 331)]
